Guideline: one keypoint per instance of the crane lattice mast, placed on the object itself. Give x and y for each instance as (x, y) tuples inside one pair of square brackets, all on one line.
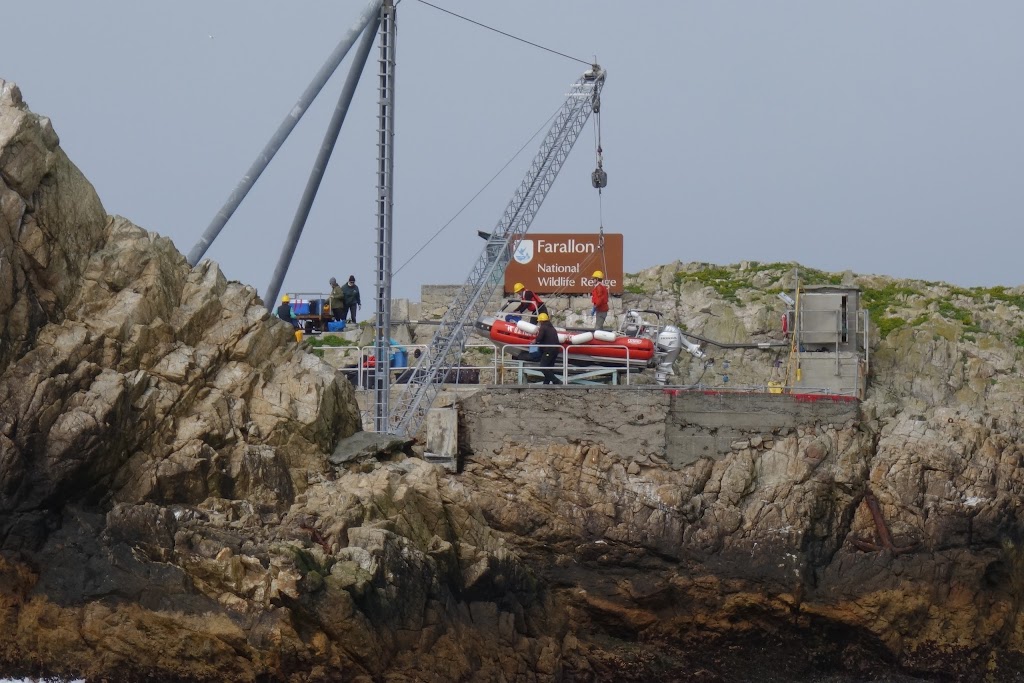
[(385, 206), (445, 350)]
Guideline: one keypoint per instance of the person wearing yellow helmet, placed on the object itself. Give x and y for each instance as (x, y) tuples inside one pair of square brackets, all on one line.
[(599, 297), (285, 313), (530, 302), (547, 340)]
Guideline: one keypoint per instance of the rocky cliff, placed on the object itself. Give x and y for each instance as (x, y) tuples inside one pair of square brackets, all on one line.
[(171, 507)]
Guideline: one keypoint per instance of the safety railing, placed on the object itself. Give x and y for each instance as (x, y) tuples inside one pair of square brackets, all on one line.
[(362, 372), (504, 368), (569, 371)]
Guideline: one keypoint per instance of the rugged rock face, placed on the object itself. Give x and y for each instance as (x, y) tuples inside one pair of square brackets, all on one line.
[(169, 508)]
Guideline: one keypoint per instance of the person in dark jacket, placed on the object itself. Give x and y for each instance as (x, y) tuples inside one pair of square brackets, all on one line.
[(350, 294), (284, 312), (337, 301), (530, 302), (547, 339)]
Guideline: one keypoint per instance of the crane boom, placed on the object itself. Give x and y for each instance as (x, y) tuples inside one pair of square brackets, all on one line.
[(445, 350)]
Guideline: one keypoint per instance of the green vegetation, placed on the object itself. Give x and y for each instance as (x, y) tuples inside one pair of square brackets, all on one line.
[(324, 340), (878, 301), (728, 281), (998, 293), (812, 276), (953, 312), (634, 289), (887, 324), (723, 280), (1019, 339), (962, 315), (920, 320), (329, 341)]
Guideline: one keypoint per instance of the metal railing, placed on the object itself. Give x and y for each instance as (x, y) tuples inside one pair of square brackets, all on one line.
[(569, 371), (365, 373)]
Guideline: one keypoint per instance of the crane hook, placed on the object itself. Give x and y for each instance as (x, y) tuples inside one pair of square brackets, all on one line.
[(599, 178)]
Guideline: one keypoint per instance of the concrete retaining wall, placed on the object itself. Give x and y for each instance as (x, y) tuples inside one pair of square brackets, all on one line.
[(679, 426)]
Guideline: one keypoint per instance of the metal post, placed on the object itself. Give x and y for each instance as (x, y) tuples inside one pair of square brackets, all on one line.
[(385, 200), (369, 13), (320, 166)]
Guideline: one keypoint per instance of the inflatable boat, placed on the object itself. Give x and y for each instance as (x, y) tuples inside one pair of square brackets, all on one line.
[(583, 347)]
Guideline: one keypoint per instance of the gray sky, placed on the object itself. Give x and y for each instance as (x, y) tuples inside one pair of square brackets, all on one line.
[(877, 136)]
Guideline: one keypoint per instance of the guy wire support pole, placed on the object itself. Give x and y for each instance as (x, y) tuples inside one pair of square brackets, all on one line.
[(317, 174), (385, 203), (370, 12)]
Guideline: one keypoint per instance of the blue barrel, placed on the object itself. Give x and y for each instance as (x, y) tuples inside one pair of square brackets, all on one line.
[(400, 358)]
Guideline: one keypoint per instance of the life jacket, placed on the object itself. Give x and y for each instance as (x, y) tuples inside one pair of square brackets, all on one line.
[(534, 302)]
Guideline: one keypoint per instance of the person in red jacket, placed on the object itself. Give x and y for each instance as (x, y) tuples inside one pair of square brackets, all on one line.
[(599, 297)]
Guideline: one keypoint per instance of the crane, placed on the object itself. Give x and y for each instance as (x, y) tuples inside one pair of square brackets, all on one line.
[(446, 347)]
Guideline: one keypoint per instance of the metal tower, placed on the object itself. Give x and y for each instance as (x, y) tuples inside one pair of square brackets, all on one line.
[(385, 189)]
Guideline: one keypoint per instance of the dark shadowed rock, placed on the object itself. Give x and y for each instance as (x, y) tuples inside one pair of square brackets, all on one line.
[(368, 445)]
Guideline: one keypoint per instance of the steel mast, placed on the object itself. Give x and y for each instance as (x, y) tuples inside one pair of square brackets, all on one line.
[(385, 190)]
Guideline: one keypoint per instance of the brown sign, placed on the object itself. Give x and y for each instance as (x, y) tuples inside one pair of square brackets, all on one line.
[(565, 263)]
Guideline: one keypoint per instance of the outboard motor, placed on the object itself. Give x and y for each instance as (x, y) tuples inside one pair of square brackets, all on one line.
[(669, 343)]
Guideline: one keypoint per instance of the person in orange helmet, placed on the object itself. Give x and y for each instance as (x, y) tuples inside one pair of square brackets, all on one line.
[(530, 302), (599, 297)]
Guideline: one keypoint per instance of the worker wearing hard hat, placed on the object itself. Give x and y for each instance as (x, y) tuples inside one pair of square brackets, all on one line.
[(547, 340), (284, 311), (529, 301), (599, 297)]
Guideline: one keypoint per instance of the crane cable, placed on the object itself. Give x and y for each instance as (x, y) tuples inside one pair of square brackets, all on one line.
[(479, 192), (507, 35), (599, 179)]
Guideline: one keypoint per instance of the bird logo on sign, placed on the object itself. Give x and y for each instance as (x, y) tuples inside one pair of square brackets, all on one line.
[(524, 251)]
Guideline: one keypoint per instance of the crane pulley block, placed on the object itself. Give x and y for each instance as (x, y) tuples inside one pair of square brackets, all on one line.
[(599, 178)]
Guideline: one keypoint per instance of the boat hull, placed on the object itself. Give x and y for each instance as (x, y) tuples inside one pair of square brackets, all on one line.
[(620, 351)]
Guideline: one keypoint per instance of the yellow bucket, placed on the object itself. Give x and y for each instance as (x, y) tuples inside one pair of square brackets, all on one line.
[(298, 335), (774, 387)]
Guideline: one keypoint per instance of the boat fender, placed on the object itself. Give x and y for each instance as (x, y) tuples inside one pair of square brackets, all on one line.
[(563, 337), (604, 335), (581, 338), (527, 327)]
